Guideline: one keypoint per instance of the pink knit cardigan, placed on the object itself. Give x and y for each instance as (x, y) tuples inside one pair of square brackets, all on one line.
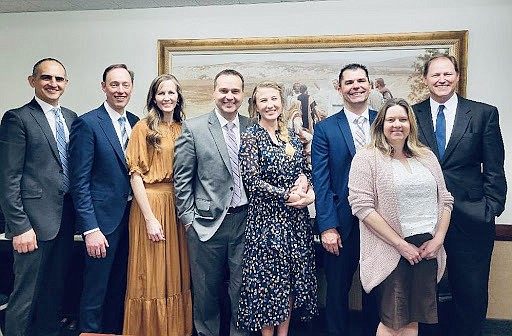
[(371, 188)]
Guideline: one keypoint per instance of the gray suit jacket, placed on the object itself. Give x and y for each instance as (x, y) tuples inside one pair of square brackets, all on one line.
[(202, 174), (31, 190)]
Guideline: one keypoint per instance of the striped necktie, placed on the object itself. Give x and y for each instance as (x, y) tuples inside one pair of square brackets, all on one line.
[(62, 146), (359, 136), (232, 146), (124, 134), (441, 131)]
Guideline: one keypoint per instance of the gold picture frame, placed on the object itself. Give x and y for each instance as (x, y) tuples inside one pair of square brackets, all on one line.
[(269, 57)]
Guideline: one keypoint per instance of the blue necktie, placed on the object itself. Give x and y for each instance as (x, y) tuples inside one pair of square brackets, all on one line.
[(441, 131), (124, 134), (62, 146)]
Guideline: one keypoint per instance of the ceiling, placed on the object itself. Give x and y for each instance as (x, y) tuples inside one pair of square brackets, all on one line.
[(20, 6)]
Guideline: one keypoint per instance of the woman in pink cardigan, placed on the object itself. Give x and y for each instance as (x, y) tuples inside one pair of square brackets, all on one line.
[(398, 193)]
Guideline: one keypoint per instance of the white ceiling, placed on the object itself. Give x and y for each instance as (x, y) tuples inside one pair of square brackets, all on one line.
[(19, 6)]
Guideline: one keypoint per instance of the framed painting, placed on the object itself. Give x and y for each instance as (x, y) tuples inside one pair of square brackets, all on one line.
[(314, 61)]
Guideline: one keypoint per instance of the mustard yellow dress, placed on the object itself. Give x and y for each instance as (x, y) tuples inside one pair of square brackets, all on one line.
[(158, 298)]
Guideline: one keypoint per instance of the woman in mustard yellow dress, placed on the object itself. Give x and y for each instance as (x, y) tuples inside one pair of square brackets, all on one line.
[(158, 300)]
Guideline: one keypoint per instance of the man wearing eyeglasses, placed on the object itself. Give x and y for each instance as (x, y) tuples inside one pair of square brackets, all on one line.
[(35, 201)]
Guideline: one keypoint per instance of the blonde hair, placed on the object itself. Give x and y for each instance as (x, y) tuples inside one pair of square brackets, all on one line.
[(281, 124), (155, 115), (412, 147)]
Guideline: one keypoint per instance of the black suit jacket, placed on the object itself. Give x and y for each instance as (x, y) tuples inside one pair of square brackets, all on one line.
[(31, 190), (473, 164)]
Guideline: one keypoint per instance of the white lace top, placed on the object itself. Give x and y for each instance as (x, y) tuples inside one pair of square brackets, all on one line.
[(417, 197)]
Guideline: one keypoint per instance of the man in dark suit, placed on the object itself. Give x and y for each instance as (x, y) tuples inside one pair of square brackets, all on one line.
[(34, 198), (334, 144), (212, 203), (465, 135), (100, 185)]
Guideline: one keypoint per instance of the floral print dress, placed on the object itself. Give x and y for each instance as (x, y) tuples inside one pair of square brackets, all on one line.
[(278, 262)]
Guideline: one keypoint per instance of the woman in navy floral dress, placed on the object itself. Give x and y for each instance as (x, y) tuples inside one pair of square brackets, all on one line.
[(279, 267)]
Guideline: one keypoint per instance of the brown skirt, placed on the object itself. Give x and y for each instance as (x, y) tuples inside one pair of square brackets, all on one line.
[(409, 293), (158, 299)]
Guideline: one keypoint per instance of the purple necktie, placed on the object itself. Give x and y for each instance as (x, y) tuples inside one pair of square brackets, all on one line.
[(233, 159)]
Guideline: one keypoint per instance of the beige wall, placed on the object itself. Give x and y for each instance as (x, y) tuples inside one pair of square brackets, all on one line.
[(500, 282)]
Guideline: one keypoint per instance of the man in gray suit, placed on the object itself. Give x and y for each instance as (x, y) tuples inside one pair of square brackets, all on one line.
[(212, 203), (35, 201)]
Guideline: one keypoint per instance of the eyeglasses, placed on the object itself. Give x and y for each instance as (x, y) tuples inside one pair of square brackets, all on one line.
[(58, 79)]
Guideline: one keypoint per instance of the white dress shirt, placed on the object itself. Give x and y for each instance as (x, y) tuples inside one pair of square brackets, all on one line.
[(50, 116), (114, 115)]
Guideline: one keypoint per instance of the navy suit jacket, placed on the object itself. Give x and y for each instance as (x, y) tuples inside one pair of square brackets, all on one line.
[(473, 164), (100, 183), (331, 155)]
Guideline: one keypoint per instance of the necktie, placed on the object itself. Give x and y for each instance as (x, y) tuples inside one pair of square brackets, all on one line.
[(62, 146), (233, 159), (124, 134), (441, 131), (359, 136)]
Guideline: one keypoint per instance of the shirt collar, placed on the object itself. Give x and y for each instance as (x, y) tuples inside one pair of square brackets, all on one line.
[(450, 105), (113, 114), (223, 121), (351, 116), (44, 105)]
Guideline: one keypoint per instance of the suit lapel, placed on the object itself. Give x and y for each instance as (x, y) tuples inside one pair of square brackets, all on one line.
[(345, 130), (244, 123), (41, 120), (108, 128), (462, 117), (132, 119), (426, 127), (372, 115), (68, 117), (218, 138)]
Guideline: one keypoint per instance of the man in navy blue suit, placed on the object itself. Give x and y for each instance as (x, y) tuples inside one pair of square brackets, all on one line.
[(465, 135), (334, 144), (100, 185)]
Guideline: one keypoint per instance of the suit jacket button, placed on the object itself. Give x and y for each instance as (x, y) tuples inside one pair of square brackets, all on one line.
[(231, 188), (61, 192)]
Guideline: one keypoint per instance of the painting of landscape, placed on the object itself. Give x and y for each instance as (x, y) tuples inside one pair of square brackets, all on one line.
[(196, 63)]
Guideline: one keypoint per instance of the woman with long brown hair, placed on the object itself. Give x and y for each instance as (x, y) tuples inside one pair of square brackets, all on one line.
[(158, 298)]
